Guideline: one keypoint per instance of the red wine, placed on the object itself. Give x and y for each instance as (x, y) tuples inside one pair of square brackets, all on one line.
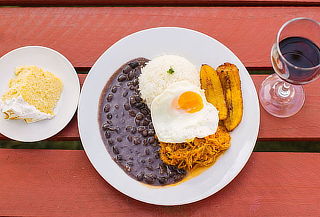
[(303, 53)]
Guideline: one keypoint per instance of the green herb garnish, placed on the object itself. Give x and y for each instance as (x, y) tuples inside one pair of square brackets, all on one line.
[(170, 71)]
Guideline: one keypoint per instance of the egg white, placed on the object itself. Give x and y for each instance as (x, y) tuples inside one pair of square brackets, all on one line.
[(176, 126)]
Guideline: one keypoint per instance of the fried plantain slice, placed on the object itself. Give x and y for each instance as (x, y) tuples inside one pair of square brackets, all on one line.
[(231, 84), (210, 82)]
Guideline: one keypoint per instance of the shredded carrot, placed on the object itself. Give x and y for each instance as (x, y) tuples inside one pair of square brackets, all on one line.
[(200, 151)]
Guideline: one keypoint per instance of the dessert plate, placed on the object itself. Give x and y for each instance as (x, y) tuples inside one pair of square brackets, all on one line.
[(54, 62), (199, 49)]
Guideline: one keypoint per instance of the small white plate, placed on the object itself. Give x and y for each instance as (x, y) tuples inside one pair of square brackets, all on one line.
[(54, 62), (199, 49)]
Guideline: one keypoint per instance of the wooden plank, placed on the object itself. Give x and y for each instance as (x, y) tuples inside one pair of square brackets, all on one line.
[(82, 34), (158, 2), (63, 183), (302, 126)]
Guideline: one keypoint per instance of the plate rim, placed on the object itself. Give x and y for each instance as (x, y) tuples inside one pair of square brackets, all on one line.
[(207, 193), (75, 107)]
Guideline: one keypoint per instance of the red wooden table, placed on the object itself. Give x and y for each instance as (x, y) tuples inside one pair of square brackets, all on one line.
[(64, 183)]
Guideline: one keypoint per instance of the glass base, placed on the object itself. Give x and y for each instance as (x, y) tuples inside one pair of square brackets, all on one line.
[(279, 98)]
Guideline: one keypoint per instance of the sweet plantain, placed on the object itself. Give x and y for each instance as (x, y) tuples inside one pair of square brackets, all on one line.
[(230, 81), (210, 82)]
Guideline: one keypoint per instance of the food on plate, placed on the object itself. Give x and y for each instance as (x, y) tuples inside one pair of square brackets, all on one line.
[(32, 95), (230, 81), (158, 124), (198, 152), (161, 72), (181, 113), (127, 130), (210, 82)]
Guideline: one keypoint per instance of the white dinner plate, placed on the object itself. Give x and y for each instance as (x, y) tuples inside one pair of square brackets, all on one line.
[(54, 62), (199, 49)]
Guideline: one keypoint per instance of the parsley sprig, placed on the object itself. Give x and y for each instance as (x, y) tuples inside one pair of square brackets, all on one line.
[(170, 71)]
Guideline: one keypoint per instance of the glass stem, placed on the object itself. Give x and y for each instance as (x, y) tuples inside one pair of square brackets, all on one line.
[(284, 90)]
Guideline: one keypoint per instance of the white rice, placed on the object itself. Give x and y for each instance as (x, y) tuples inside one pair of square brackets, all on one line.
[(154, 78)]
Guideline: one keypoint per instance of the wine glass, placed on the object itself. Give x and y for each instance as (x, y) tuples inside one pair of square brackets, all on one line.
[(295, 58)]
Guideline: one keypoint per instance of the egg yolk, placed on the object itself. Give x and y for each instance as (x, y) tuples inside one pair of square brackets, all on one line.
[(190, 102)]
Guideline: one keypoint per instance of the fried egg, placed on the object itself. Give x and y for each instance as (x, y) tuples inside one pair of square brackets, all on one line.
[(181, 113)]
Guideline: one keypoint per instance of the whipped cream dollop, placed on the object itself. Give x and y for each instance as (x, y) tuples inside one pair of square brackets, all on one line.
[(18, 108)]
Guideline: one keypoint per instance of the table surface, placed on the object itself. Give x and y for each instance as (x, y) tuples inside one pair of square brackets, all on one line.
[(36, 182)]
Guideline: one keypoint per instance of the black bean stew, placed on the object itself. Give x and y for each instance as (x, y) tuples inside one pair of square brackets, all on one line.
[(127, 130)]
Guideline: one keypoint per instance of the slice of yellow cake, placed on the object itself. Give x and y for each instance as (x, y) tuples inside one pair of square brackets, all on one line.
[(32, 96)]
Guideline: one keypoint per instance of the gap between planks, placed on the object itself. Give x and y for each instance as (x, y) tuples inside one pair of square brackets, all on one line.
[(159, 3)]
